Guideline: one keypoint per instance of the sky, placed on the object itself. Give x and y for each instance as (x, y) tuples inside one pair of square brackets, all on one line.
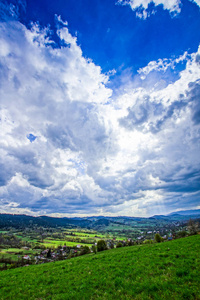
[(99, 107)]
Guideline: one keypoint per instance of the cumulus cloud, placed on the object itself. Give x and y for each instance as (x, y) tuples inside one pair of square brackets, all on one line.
[(162, 64), (49, 117), (162, 125), (69, 145)]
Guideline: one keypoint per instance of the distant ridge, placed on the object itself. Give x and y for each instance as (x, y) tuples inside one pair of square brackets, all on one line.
[(186, 212)]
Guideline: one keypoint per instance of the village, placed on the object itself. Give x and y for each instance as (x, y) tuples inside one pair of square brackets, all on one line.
[(65, 252), (38, 245)]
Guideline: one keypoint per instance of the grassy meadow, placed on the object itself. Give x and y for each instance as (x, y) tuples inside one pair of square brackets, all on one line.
[(169, 270)]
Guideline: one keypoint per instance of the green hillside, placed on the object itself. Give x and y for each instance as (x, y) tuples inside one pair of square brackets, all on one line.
[(169, 270)]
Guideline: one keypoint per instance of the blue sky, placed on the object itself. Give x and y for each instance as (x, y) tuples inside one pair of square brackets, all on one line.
[(100, 107)]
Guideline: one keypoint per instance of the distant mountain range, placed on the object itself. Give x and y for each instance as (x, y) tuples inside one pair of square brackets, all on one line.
[(94, 222)]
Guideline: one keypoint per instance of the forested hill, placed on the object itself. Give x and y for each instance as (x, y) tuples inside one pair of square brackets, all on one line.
[(8, 220)]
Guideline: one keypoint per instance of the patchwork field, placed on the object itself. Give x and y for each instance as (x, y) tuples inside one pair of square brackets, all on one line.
[(169, 270)]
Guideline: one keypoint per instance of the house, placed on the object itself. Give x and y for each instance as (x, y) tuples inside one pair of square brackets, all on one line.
[(78, 246), (26, 257)]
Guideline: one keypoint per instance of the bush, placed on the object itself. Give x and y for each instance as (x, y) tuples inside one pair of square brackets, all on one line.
[(85, 250), (181, 234), (147, 242), (130, 243), (101, 245), (112, 246), (119, 244)]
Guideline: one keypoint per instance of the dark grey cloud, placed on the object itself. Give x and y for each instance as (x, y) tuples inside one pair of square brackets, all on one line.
[(155, 114), (135, 118), (168, 113)]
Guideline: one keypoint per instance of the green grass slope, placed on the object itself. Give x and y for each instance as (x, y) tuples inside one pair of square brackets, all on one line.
[(169, 270)]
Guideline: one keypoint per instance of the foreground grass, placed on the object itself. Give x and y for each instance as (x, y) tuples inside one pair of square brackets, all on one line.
[(169, 270)]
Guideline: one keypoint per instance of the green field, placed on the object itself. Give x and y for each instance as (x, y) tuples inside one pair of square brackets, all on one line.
[(169, 270), (15, 253), (55, 243)]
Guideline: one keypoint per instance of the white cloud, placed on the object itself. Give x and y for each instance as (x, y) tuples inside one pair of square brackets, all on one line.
[(196, 1), (157, 140), (162, 64), (93, 152), (53, 94), (142, 6)]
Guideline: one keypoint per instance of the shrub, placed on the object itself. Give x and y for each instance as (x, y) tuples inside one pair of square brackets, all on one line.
[(94, 249), (85, 250), (119, 244), (147, 242), (181, 234), (101, 245), (112, 245), (130, 243)]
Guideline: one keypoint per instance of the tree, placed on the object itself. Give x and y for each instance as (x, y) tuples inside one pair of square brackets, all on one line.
[(130, 243), (101, 245), (193, 227), (49, 254), (158, 238), (94, 249), (119, 244), (112, 246)]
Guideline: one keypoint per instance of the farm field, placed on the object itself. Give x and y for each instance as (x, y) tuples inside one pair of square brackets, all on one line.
[(85, 234), (169, 270), (14, 253), (56, 243), (96, 235), (37, 239)]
